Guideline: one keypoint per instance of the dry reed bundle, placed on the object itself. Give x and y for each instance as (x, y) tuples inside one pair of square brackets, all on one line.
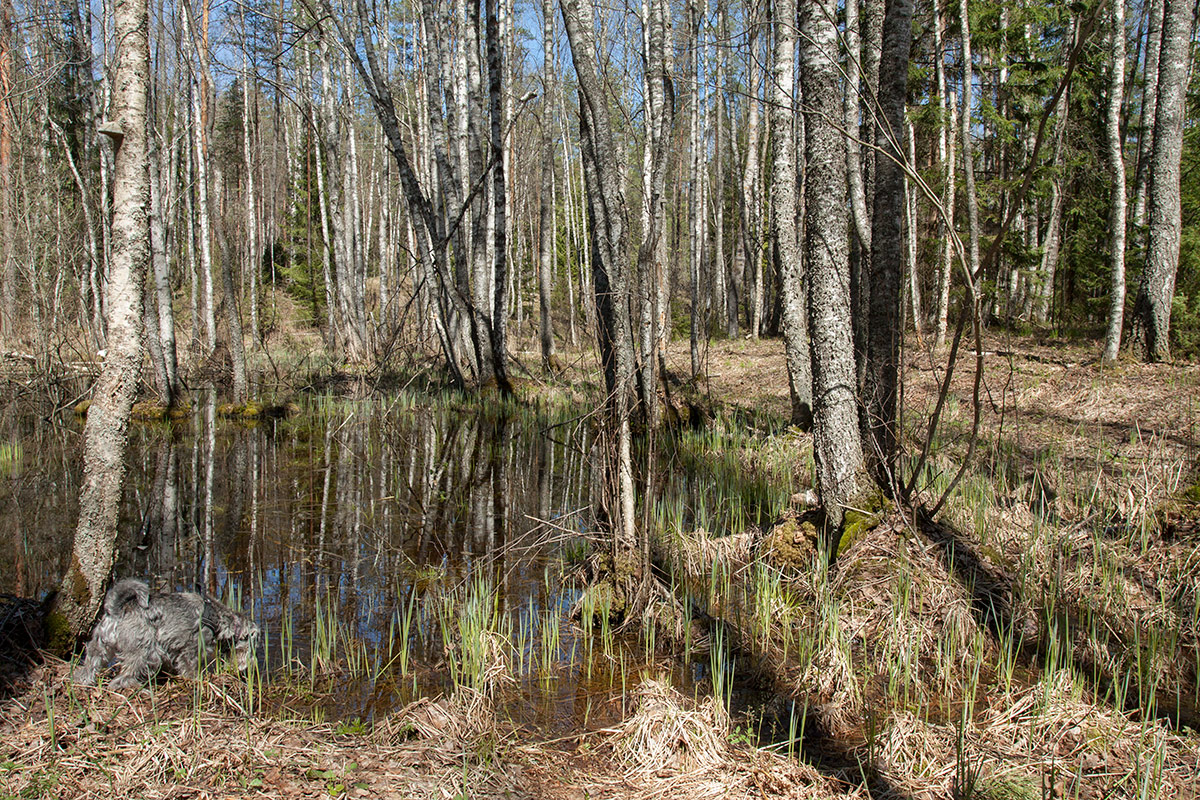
[(668, 733)]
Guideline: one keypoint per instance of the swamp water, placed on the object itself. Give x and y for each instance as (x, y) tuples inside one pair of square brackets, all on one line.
[(381, 544)]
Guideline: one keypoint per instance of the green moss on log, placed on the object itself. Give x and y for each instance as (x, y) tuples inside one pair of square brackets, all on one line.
[(860, 521)]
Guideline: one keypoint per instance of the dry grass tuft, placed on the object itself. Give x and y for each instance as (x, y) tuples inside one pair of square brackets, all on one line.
[(668, 733), (449, 728), (1045, 740)]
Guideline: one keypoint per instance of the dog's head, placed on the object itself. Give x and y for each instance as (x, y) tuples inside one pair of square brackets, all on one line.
[(245, 646), (236, 631)]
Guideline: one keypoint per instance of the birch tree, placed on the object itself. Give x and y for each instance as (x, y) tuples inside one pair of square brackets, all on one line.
[(1153, 311), (837, 445), (784, 216), (1116, 166), (106, 431)]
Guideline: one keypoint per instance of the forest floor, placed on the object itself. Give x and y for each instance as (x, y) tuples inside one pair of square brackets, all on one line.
[(1041, 640)]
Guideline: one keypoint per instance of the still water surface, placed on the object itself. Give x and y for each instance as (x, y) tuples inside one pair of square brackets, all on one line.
[(335, 521)]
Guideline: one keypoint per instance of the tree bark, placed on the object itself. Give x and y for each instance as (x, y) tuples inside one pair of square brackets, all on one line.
[(169, 391), (784, 217), (252, 255), (652, 252), (837, 446), (1154, 29), (1152, 331), (547, 249), (200, 153), (882, 365), (1116, 166), (106, 430), (1043, 293), (852, 104), (8, 266), (751, 244), (968, 155), (697, 217), (498, 321), (233, 321)]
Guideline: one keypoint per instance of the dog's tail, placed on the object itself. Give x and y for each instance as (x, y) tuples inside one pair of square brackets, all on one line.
[(125, 592)]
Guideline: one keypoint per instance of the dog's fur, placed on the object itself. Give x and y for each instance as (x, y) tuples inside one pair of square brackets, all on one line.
[(147, 632)]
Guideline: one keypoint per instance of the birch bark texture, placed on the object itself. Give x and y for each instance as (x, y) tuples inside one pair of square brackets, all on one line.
[(1152, 327), (837, 444), (784, 219), (1116, 166), (106, 431)]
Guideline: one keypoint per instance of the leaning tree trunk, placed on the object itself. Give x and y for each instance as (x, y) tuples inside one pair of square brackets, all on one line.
[(1152, 328), (784, 228), (1116, 167), (106, 432), (882, 369), (837, 446)]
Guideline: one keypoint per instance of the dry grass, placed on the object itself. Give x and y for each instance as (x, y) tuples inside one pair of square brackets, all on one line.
[(663, 733), (193, 740)]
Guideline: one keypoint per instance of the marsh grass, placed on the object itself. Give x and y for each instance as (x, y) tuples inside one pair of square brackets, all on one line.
[(1040, 640), (1049, 597)]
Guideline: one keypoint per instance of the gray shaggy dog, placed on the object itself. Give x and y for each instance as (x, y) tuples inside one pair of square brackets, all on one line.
[(147, 632)]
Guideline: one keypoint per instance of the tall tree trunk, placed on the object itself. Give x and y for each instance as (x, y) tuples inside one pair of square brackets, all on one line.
[(968, 154), (499, 310), (547, 249), (8, 265), (252, 254), (697, 216), (751, 244), (233, 322), (1116, 167), (837, 445), (106, 432), (852, 104), (169, 391), (607, 213), (1043, 294), (946, 222), (652, 258), (882, 368), (910, 235), (200, 153), (1152, 328), (1154, 30), (327, 140), (784, 217)]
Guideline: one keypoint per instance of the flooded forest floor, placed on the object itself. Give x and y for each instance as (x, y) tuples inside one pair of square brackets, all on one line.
[(1039, 639)]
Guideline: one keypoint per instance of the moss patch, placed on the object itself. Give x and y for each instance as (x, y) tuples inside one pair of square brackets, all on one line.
[(150, 411), (860, 521), (792, 544), (59, 639)]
